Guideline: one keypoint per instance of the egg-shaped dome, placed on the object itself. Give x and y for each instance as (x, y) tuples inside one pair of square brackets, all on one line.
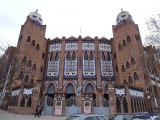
[(36, 17), (122, 17)]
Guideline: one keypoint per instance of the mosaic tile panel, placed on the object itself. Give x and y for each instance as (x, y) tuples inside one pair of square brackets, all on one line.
[(55, 46), (89, 68), (71, 46), (106, 68), (104, 46), (87, 46), (136, 93), (70, 68), (53, 68)]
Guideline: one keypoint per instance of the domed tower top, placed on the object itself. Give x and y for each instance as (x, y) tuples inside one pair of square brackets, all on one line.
[(122, 17), (36, 17)]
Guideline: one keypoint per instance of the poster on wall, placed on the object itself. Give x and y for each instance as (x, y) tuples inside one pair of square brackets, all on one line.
[(87, 106), (58, 108)]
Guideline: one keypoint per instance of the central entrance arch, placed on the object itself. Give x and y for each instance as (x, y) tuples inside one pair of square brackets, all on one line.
[(71, 107)]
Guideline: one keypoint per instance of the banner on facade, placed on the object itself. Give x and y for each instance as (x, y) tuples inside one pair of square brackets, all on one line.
[(87, 106), (58, 108)]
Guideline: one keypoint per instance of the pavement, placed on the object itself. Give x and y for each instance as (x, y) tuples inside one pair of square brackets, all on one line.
[(4, 115)]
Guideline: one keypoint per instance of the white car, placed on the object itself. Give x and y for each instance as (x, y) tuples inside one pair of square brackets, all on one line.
[(86, 117)]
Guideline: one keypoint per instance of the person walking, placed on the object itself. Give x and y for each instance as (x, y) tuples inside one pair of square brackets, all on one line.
[(41, 109), (37, 111)]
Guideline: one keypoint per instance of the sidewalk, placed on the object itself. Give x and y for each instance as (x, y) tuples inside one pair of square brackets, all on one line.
[(4, 115)]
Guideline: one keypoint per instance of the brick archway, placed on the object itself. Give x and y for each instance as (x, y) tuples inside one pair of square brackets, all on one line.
[(93, 85), (54, 84), (70, 82)]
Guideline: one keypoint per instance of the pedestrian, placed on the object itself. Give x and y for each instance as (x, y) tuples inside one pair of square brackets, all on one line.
[(41, 109), (37, 111)]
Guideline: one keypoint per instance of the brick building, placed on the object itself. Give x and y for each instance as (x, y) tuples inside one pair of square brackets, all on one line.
[(116, 75)]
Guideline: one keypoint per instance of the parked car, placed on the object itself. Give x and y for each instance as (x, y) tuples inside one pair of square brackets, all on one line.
[(86, 117), (120, 116), (144, 116)]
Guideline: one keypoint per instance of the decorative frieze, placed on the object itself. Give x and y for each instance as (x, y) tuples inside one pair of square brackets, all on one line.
[(15, 92), (28, 91), (55, 47), (71, 46), (104, 46), (88, 46), (136, 93), (120, 91)]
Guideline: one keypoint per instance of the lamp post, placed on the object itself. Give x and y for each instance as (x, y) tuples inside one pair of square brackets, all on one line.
[(4, 87)]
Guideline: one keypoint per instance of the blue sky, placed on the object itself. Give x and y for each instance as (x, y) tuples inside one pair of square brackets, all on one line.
[(66, 17)]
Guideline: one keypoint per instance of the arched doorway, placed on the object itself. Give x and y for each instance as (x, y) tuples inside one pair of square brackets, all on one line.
[(49, 98), (70, 95), (106, 97), (71, 104), (89, 92)]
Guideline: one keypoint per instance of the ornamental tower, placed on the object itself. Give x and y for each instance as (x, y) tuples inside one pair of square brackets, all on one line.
[(30, 56), (128, 50)]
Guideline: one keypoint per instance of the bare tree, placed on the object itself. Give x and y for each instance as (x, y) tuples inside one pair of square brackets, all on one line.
[(153, 25)]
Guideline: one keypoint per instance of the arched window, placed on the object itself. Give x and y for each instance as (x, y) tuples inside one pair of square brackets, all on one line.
[(68, 55), (37, 47), (85, 56), (43, 55), (103, 57), (28, 39), (130, 80), (32, 81), (124, 43), (26, 79), (41, 69), (29, 63), (29, 102), (91, 56), (24, 60), (118, 105), (115, 55), (127, 65), (128, 39), (116, 69), (22, 102), (123, 68), (56, 57), (21, 75), (51, 57), (132, 106), (33, 43), (132, 61), (125, 106), (125, 82), (34, 67), (120, 47), (108, 57), (74, 56), (135, 106), (135, 76)]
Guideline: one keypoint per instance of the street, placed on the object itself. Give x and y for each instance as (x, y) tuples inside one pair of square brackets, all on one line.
[(4, 115)]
